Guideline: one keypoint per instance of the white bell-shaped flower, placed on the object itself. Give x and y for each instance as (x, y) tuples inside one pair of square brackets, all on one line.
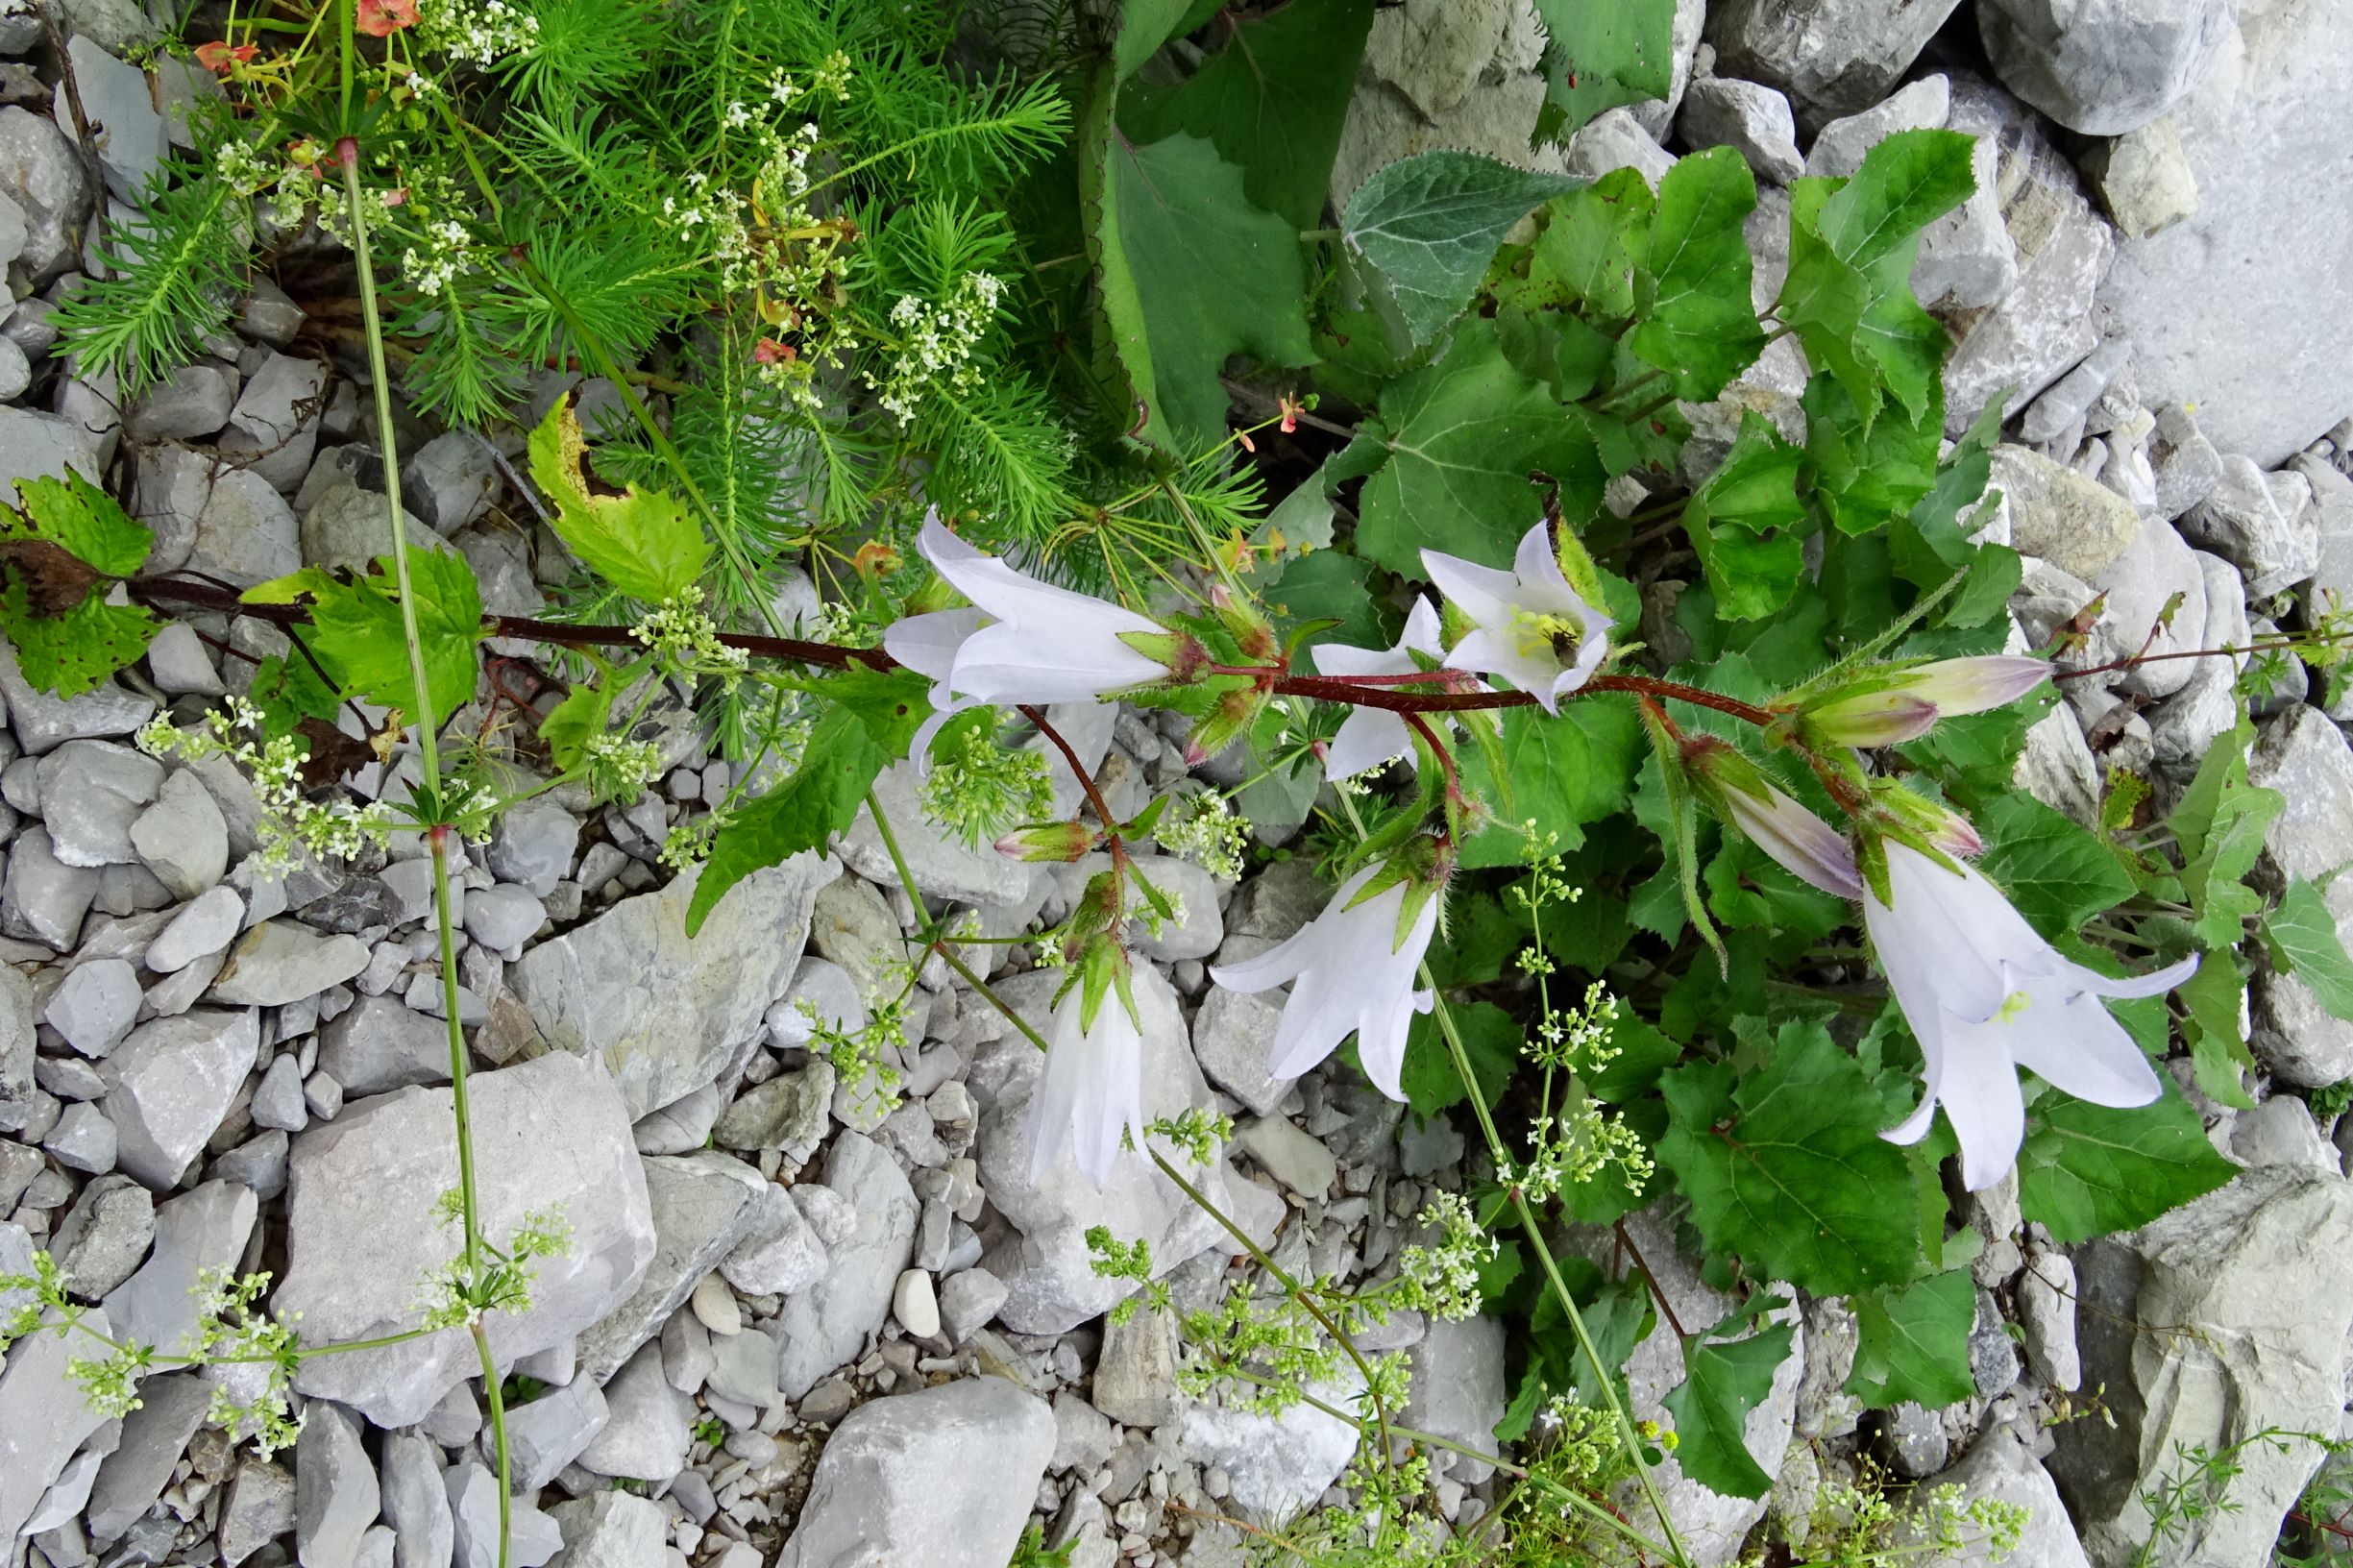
[(1985, 995), (1369, 737), (1037, 643), (1528, 625), (1091, 1090), (1353, 973)]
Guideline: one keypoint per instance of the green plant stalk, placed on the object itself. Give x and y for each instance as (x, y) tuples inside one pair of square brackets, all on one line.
[(437, 837), (1502, 1156)]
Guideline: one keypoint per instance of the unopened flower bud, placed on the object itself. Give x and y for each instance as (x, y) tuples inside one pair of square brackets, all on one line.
[(1888, 707), (1064, 841), (1801, 843)]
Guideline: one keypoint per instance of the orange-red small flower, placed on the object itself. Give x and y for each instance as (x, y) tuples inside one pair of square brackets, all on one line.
[(221, 58), (382, 18), (769, 351)]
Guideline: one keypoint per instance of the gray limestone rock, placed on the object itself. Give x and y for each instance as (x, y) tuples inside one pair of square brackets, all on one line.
[(548, 1433), (1748, 117), (1232, 1036), (2262, 524), (2303, 754), (42, 721), (1458, 1389), (183, 838), (172, 1405), (278, 1099), (533, 844), (2038, 329), (2265, 1356), (40, 170), (969, 1301), (825, 1326), (2295, 1038), (415, 1503), (1617, 140), (1135, 1378), (171, 1083), (206, 925), (2106, 67), (83, 1139), (204, 1228), (2141, 584), (259, 1507), (2221, 306), (945, 1477), (42, 899), (279, 963), (943, 867), (647, 1426), (549, 1134), (43, 1419), (1835, 58), (451, 479), (531, 1536), (1279, 1465), (663, 1010), (91, 791), (377, 1045), (780, 1252), (2143, 179), (700, 1206), (790, 1111), (276, 423), (103, 1236), (335, 1496), (611, 1530), (95, 1005), (192, 401)]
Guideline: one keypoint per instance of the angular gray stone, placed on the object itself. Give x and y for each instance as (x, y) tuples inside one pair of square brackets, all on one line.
[(790, 1111), (171, 1083), (1278, 1465), (699, 1204), (2002, 1467), (42, 721), (450, 480), (503, 917), (648, 1427), (277, 420), (279, 963), (2264, 524), (664, 1011), (2219, 306), (1135, 1378), (1617, 139), (183, 838), (2295, 1038), (968, 1302), (40, 170), (178, 663), (1232, 1036), (208, 924), (780, 1254), (1835, 58), (943, 867), (1458, 1389), (2038, 329), (2106, 67), (204, 1228), (531, 1536), (825, 1325), (1841, 145), (2304, 756), (549, 1134), (95, 1005), (2264, 1357), (611, 1530), (43, 1419), (415, 1503), (172, 1405), (103, 1236), (1748, 117), (1290, 1155), (377, 1045), (83, 1139), (944, 1478), (259, 1507), (533, 846), (278, 1099), (345, 527), (2143, 179), (91, 791), (44, 899), (2141, 584), (335, 1497), (192, 401), (548, 1433)]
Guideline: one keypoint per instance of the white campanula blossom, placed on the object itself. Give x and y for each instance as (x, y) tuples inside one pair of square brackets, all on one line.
[(1353, 973), (1528, 625), (1022, 642), (1372, 736), (1985, 995), (1805, 846), (1091, 1090)]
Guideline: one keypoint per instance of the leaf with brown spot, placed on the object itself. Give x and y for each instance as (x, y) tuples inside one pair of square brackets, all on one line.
[(56, 581)]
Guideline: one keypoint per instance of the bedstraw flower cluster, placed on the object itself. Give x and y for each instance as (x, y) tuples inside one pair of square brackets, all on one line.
[(682, 635), (290, 820), (937, 344), (478, 32)]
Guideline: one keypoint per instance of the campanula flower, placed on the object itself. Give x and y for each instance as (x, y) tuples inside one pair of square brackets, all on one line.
[(1528, 625), (1369, 737)]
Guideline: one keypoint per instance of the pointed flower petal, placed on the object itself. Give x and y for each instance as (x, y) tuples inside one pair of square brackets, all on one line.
[(1530, 626)]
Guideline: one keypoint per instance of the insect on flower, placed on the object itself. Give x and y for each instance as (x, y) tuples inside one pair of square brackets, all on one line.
[(382, 18)]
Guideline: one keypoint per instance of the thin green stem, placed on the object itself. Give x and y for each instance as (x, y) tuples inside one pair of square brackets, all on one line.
[(1602, 1373), (495, 1398)]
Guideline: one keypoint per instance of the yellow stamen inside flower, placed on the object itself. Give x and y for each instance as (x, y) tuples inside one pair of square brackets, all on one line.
[(1534, 635), (2012, 1006)]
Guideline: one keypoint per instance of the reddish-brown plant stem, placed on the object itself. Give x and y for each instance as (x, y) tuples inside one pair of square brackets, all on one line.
[(833, 656)]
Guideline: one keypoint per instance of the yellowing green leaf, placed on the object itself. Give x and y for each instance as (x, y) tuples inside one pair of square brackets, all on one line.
[(644, 543)]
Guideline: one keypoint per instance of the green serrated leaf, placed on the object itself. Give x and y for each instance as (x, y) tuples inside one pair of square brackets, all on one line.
[(1594, 242), (2056, 874), (1191, 272), (643, 542), (81, 519), (1785, 1168), (1912, 1342), (585, 713), (1430, 1078), (1463, 435), (890, 704), (78, 651), (820, 798), (1702, 326), (2214, 996), (1272, 98), (1721, 1383), (2088, 1169), (1564, 773), (358, 633), (1603, 56), (288, 689), (1430, 225), (2304, 941)]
